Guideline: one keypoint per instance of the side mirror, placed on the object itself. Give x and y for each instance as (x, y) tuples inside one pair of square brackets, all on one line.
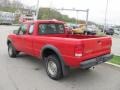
[(24, 31), (15, 32)]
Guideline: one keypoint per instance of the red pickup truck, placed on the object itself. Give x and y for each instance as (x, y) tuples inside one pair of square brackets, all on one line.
[(49, 41)]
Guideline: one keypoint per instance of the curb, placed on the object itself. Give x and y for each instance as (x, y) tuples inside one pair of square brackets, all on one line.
[(116, 65)]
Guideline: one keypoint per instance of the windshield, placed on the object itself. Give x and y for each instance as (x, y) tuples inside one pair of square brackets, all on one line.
[(51, 29)]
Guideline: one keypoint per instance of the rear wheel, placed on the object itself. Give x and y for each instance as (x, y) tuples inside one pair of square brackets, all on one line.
[(12, 51), (53, 67)]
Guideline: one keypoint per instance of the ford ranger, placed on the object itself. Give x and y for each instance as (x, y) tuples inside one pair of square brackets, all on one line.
[(49, 41)]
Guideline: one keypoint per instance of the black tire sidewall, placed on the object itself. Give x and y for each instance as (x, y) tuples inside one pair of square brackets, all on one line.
[(14, 52), (55, 59)]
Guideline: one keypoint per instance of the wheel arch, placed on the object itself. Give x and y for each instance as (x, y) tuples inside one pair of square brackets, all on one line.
[(54, 50)]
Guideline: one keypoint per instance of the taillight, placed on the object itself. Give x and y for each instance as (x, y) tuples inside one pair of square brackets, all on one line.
[(79, 51)]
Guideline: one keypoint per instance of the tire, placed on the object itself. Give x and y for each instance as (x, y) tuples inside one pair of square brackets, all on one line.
[(53, 67), (12, 51)]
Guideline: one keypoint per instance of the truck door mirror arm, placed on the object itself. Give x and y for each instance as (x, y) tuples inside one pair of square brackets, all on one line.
[(15, 32)]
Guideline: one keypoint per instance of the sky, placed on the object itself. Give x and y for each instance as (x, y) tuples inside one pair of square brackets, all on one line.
[(96, 7)]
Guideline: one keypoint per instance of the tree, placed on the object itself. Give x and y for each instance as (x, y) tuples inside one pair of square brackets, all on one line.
[(48, 13)]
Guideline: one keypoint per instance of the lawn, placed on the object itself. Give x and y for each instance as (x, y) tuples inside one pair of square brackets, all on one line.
[(116, 60)]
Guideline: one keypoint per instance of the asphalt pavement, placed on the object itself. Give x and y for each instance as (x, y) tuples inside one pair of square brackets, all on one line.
[(28, 73)]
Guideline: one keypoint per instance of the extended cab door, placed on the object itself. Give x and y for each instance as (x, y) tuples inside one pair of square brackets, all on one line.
[(28, 40), (18, 42)]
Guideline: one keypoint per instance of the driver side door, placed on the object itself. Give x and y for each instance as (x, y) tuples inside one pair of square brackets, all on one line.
[(20, 37)]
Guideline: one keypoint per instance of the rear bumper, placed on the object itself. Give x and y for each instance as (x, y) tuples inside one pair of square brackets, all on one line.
[(95, 61)]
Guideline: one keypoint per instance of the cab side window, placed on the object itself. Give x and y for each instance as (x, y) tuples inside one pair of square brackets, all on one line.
[(31, 29), (22, 29), (54, 28)]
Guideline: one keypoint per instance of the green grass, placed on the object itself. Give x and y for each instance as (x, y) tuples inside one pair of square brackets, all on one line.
[(115, 60)]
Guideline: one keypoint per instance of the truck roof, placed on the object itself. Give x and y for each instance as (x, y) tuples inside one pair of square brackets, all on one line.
[(46, 21)]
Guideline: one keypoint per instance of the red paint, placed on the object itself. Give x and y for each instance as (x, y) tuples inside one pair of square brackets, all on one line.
[(67, 44)]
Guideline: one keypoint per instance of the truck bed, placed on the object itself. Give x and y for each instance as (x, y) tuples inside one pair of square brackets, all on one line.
[(93, 46)]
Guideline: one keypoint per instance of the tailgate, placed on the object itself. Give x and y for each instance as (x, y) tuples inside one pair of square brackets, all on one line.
[(96, 46)]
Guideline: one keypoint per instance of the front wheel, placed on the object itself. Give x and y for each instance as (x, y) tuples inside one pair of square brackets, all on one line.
[(53, 67), (12, 51)]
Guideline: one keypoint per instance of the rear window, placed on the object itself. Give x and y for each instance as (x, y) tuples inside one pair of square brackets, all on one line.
[(51, 29)]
